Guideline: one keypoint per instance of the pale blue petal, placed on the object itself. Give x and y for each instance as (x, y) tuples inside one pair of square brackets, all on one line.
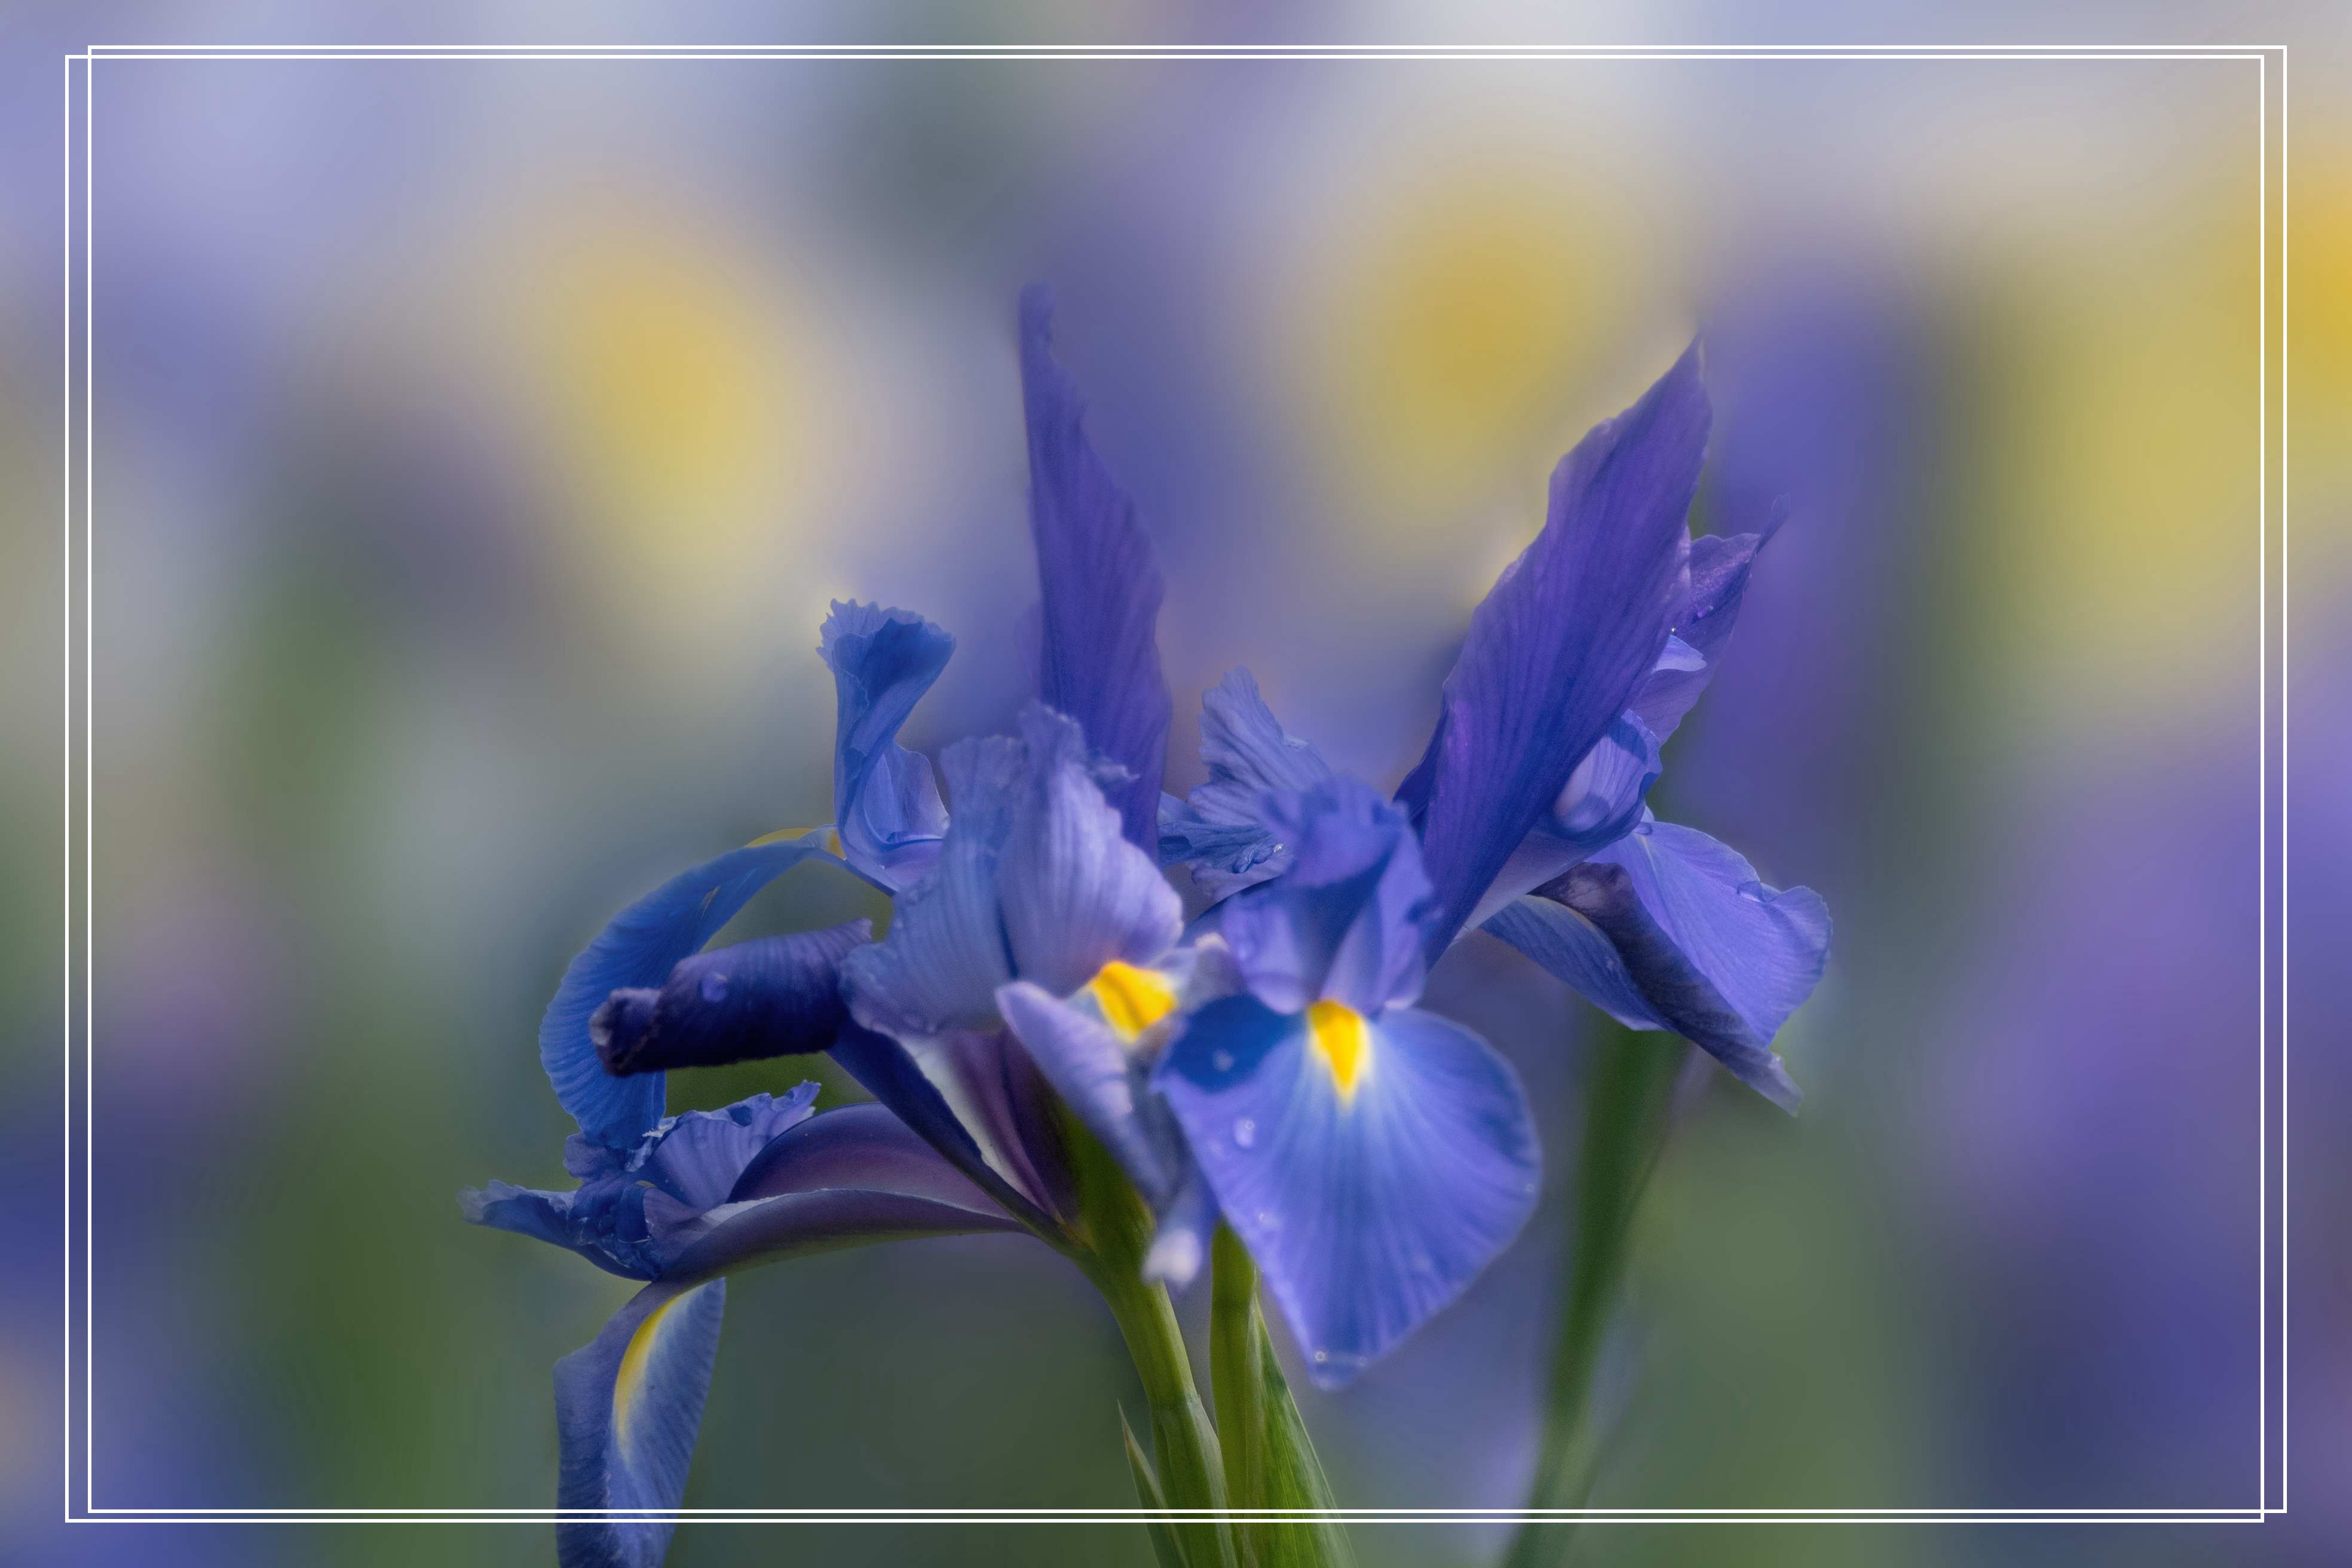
[(1365, 1213)]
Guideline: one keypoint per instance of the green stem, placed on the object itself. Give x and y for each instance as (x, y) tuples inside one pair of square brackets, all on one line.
[(1628, 1098), (1182, 1439), (1236, 1349), (1270, 1461), (1111, 1236)]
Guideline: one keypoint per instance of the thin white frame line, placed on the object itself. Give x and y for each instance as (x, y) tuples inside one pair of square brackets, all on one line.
[(2287, 688), (1081, 51), (2259, 53), (1337, 1515), (521, 1515), (1141, 54), (65, 708), (89, 786), (2262, 787)]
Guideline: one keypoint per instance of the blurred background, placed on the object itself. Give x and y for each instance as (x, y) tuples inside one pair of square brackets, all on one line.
[(478, 444)]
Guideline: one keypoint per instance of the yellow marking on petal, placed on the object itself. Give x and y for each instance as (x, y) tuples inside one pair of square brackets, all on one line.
[(629, 1383), (1131, 999), (1341, 1039)]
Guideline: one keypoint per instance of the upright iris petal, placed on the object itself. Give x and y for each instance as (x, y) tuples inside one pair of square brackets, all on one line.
[(1559, 646), (1099, 652), (886, 803), (1372, 1157)]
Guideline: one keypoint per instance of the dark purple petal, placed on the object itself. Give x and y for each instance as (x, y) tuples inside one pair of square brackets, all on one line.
[(1559, 646), (1099, 658), (779, 996), (856, 1146), (797, 1224), (983, 1112)]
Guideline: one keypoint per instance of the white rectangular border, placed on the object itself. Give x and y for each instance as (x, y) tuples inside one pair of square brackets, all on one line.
[(2262, 53)]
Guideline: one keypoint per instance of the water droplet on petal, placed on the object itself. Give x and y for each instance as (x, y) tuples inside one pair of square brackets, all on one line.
[(1245, 1132), (1321, 1356), (1222, 1060), (714, 988)]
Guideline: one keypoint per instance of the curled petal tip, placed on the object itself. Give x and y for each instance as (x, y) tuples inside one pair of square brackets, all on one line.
[(619, 1026)]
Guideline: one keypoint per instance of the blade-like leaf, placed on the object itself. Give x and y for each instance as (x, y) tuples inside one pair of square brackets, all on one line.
[(1166, 1549), (1629, 1096), (1270, 1462)]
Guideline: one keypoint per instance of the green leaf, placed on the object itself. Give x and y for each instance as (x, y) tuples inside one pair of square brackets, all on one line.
[(1628, 1101), (1270, 1462), (1165, 1548)]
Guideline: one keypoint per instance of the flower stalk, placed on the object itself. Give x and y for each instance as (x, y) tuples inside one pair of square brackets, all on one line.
[(1628, 1104), (1111, 1236)]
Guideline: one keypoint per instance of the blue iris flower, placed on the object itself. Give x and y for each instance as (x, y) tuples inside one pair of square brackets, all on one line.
[(1529, 797), (1272, 1068), (1372, 1156)]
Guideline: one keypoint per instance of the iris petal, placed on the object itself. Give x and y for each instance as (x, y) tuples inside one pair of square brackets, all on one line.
[(1602, 801), (855, 1146), (628, 1407), (638, 949), (1099, 655), (1347, 920), (1220, 829), (1557, 647), (1669, 930), (1097, 1079), (945, 954), (1720, 568), (885, 800), (1368, 1211), (1762, 948), (972, 1095), (1075, 894), (779, 996)]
